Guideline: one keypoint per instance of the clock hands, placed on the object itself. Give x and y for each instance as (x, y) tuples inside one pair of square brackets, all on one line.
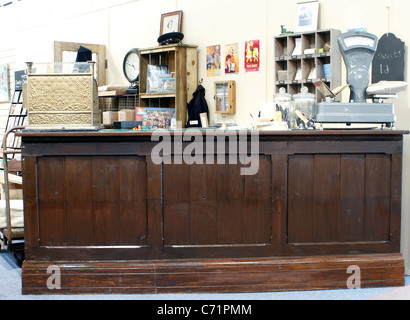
[(131, 65)]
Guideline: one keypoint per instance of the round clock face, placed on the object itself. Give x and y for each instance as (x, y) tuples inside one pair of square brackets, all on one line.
[(131, 65)]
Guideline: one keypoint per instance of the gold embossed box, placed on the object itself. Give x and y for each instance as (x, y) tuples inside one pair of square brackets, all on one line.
[(62, 95)]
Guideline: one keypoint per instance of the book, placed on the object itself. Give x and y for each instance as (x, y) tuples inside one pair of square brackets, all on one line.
[(166, 84), (153, 77)]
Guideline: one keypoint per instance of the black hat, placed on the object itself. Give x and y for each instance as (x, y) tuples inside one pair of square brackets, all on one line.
[(170, 38), (83, 55)]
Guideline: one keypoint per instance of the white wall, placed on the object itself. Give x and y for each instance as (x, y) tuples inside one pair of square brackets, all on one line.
[(33, 25)]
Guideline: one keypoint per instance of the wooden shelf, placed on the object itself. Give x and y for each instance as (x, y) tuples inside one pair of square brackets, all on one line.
[(290, 63), (181, 60), (112, 93), (153, 95)]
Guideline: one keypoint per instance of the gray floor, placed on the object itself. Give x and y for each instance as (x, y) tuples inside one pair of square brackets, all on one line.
[(10, 289)]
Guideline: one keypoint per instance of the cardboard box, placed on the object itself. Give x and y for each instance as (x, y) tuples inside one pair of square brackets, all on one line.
[(109, 117), (126, 115)]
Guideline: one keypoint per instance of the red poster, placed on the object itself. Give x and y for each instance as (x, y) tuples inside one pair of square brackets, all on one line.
[(252, 55)]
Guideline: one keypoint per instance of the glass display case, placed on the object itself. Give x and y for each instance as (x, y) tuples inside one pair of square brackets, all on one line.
[(225, 97)]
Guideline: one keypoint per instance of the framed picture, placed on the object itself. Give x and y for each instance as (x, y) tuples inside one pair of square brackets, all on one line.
[(307, 14), (171, 22), (4, 83)]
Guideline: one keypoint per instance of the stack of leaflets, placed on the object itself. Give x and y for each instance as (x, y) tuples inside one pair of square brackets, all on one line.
[(159, 80)]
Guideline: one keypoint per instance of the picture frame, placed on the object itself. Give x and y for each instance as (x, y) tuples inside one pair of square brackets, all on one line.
[(307, 14), (171, 22), (4, 83)]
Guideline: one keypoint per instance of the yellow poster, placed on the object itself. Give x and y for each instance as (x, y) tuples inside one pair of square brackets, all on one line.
[(213, 61), (232, 58)]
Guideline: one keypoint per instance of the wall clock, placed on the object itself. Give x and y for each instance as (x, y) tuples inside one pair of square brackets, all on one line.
[(131, 67)]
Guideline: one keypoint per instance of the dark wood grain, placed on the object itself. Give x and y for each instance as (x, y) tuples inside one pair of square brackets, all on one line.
[(352, 198), (378, 201), (96, 202), (79, 207), (326, 207), (300, 195), (51, 201), (218, 275)]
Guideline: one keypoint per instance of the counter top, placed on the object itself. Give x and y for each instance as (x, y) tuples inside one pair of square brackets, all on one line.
[(193, 131)]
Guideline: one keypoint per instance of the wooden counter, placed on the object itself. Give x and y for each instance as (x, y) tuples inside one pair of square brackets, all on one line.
[(112, 221)]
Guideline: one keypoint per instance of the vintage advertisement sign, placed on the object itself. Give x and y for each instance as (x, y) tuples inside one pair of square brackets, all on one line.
[(213, 61), (252, 55)]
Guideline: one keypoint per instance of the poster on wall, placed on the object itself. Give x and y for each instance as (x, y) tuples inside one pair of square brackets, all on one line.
[(4, 83), (213, 61), (252, 55), (232, 58)]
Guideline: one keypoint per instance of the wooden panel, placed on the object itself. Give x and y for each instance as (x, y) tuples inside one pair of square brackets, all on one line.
[(181, 86), (51, 201), (154, 205), (176, 223), (237, 209), (106, 195), (176, 183), (396, 197), (216, 275), (231, 187), (378, 202), (258, 204), (279, 199), (203, 182), (30, 204), (203, 222), (192, 71), (203, 204), (338, 201), (80, 224), (257, 221), (133, 200), (352, 195), (230, 183), (326, 198), (300, 199), (230, 222)]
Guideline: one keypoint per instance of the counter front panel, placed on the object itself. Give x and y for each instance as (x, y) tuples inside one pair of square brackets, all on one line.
[(98, 197)]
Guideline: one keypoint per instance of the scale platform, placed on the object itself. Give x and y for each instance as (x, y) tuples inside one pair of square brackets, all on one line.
[(355, 112)]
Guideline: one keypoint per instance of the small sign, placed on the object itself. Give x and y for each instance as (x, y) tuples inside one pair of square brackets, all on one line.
[(389, 59), (252, 55), (19, 78)]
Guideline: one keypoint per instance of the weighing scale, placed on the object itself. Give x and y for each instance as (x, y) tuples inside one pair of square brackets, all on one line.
[(358, 50)]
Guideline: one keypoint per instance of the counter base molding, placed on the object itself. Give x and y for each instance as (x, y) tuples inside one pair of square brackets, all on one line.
[(215, 276), (103, 215)]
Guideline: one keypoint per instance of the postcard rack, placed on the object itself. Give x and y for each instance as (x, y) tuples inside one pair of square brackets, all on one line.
[(303, 58)]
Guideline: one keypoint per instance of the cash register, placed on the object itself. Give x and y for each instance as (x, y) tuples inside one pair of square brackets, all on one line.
[(358, 50)]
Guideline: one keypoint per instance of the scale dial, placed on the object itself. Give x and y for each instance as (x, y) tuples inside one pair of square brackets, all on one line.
[(359, 41), (131, 65)]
